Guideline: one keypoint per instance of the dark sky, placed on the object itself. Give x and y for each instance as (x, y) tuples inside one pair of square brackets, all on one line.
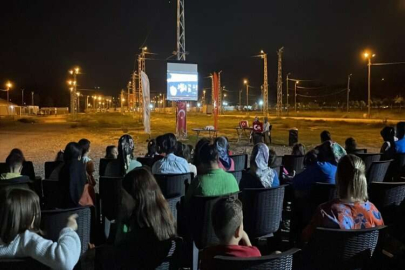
[(323, 40)]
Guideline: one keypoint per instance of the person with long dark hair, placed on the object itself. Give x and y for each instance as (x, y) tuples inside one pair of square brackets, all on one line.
[(197, 157), (388, 150), (225, 161), (126, 147)]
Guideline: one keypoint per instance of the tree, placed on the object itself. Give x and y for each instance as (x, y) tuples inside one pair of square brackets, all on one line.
[(399, 100)]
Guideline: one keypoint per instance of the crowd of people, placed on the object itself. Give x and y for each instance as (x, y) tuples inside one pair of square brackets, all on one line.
[(145, 222)]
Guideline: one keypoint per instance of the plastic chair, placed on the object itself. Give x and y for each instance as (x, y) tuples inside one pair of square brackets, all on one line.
[(241, 161), (28, 169), (321, 193), (53, 221), (112, 168), (173, 185), (262, 210), (173, 204), (110, 196), (369, 159), (173, 259), (50, 167), (293, 163), (103, 165), (343, 249), (276, 261), (278, 162), (378, 170), (237, 175), (51, 193), (22, 264)]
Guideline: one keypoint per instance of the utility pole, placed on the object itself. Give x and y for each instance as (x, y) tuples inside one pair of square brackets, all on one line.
[(348, 91), (134, 88), (220, 93), (265, 85), (280, 82), (32, 98), (22, 97), (295, 96), (181, 31), (247, 92), (288, 95), (240, 98)]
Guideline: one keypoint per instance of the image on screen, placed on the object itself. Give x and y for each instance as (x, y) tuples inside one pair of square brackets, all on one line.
[(182, 82)]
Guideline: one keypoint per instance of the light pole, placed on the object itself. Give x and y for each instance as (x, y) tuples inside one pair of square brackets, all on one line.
[(348, 91), (8, 85), (203, 98), (78, 101), (368, 56), (247, 92), (288, 95), (32, 98), (295, 96), (73, 88), (22, 97), (240, 99)]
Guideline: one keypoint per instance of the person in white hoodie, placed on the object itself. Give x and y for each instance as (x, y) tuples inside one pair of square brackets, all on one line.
[(20, 218)]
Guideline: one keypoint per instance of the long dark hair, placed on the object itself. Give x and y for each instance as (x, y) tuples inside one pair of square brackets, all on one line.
[(146, 205), (72, 152), (15, 151), (85, 145), (126, 148), (197, 149), (18, 208)]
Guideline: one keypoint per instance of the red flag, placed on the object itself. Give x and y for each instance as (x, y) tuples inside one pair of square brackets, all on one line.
[(181, 119)]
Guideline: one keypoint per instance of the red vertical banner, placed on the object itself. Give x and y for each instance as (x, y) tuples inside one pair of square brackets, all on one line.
[(216, 100), (181, 119)]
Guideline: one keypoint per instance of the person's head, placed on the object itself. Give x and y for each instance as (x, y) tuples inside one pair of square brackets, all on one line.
[(227, 220), (59, 156), (146, 204), (256, 119), (298, 149), (169, 143), (13, 152), (184, 151), (222, 145), (126, 148), (388, 134), (19, 211), (350, 144), (400, 130), (15, 163), (351, 179), (209, 156), (311, 158), (73, 151), (272, 157), (111, 152), (159, 143), (325, 136), (259, 159), (152, 147), (85, 145), (197, 150)]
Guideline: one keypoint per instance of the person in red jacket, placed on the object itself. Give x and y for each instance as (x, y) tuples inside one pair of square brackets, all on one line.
[(227, 220)]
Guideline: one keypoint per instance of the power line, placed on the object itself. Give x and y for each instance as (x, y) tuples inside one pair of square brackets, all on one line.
[(386, 64), (332, 94), (310, 88)]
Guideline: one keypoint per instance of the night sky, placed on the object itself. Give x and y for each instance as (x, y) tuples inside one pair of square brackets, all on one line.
[(323, 40)]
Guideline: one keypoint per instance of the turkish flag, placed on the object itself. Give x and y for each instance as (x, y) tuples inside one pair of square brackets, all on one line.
[(181, 118)]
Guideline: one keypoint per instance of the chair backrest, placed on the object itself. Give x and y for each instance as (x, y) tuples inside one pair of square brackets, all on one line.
[(387, 194), (237, 175), (52, 193), (110, 167), (293, 163), (173, 258), (241, 161), (276, 261), (149, 161), (322, 192), (343, 249), (359, 151), (19, 182), (21, 264), (173, 185), (369, 158), (278, 162), (398, 166), (110, 189), (377, 171), (173, 204), (28, 169), (262, 210), (201, 221), (53, 221), (50, 167)]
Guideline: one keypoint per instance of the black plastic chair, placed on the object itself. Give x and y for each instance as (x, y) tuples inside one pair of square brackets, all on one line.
[(343, 249), (102, 165), (22, 264), (173, 259), (110, 189), (50, 167), (237, 175), (378, 170), (321, 193), (241, 161), (110, 168), (275, 261), (369, 159), (262, 210), (278, 162), (28, 169), (51, 194), (358, 151), (18, 182), (173, 204), (53, 221), (173, 185), (398, 167), (293, 163)]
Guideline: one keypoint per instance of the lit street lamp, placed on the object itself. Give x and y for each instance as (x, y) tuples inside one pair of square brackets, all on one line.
[(368, 56), (8, 85), (295, 95), (73, 87), (247, 92)]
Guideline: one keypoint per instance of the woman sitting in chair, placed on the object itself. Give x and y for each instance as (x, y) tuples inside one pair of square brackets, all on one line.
[(225, 162), (351, 210)]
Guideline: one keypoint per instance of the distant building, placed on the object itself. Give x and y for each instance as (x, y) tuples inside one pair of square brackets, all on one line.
[(8, 108)]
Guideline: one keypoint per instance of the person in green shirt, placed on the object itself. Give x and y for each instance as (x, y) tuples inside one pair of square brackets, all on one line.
[(215, 181)]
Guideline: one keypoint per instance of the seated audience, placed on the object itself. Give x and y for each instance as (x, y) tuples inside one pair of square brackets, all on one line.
[(388, 150), (20, 218), (351, 210), (59, 156), (400, 144), (111, 152), (152, 149), (89, 195), (225, 162), (298, 150), (15, 164), (323, 170), (15, 151), (260, 174), (72, 176), (170, 163), (145, 225), (214, 181), (350, 145), (184, 151), (227, 221), (197, 157), (338, 150), (126, 159)]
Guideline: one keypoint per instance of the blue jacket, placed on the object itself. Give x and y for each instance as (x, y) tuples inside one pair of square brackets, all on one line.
[(320, 172)]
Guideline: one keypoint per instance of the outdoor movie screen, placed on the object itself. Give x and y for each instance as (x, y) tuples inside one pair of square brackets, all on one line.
[(182, 82)]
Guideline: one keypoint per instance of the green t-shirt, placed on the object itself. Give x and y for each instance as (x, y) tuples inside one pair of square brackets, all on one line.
[(215, 183), (9, 175)]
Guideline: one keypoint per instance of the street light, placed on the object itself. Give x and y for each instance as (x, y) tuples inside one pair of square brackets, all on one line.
[(247, 92), (8, 85), (73, 83), (295, 95), (368, 56)]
